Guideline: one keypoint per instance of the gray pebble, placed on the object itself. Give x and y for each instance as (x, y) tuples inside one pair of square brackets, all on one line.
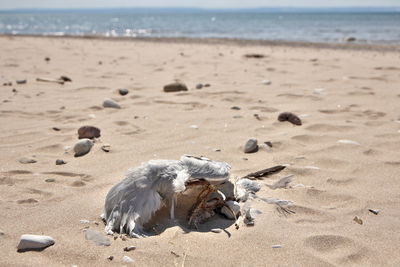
[(34, 242), (50, 180), (60, 162), (277, 246), (82, 147), (235, 108), (109, 103), (97, 238), (25, 160), (123, 91), (175, 87), (199, 86), (251, 146), (129, 248), (20, 81), (84, 221)]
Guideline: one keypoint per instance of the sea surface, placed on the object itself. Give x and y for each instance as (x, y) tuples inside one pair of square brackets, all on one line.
[(332, 27)]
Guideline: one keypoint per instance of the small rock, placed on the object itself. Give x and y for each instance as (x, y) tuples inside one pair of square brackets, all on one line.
[(109, 103), (358, 220), (84, 221), (290, 117), (216, 230), (268, 143), (123, 91), (27, 201), (47, 59), (199, 86), (65, 78), (194, 126), (257, 116), (235, 108), (277, 246), (1, 234), (20, 81), (237, 117), (34, 242), (97, 238), (217, 150), (60, 162), (251, 146), (348, 142), (50, 180), (25, 160), (82, 147), (129, 248), (175, 87), (207, 85), (110, 258), (350, 39), (14, 90), (254, 55), (231, 210), (88, 132), (56, 129), (376, 212), (266, 82), (126, 259), (106, 147)]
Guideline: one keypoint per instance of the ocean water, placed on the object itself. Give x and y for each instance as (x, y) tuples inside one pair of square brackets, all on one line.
[(370, 27)]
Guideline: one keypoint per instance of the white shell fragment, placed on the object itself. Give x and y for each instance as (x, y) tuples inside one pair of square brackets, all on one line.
[(348, 142), (82, 147), (232, 211), (34, 242), (216, 230)]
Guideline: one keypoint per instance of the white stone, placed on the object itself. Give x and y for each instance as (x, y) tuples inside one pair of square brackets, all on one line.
[(348, 142), (109, 103), (216, 230), (82, 147), (34, 242), (127, 259), (266, 82)]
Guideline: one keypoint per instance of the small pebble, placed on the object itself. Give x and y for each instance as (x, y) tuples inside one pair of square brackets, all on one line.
[(50, 180), (14, 90), (34, 242), (84, 221), (216, 230), (88, 132), (358, 220), (194, 126), (65, 78), (376, 212), (56, 129), (47, 59), (251, 146), (290, 117), (106, 147), (60, 162), (207, 85), (126, 259), (348, 142), (266, 82), (175, 87), (20, 81), (268, 143), (25, 160), (110, 258), (109, 103), (199, 86), (237, 117), (257, 116), (277, 246), (235, 108), (129, 248), (217, 150), (82, 147), (123, 91)]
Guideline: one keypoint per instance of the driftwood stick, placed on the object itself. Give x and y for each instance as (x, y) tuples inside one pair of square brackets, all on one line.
[(265, 172)]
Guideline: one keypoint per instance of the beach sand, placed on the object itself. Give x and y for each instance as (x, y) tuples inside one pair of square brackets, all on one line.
[(340, 94)]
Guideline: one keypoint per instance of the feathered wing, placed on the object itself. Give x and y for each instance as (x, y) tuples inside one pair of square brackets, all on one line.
[(206, 169)]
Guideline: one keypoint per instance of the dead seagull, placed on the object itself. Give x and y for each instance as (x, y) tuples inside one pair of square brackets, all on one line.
[(132, 202)]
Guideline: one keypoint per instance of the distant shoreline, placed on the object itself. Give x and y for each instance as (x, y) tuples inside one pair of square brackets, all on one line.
[(224, 41)]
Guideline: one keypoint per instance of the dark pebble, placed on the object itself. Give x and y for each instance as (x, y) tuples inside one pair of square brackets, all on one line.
[(20, 81), (50, 180), (65, 78), (60, 162), (290, 117), (88, 132), (123, 91), (235, 108), (175, 87)]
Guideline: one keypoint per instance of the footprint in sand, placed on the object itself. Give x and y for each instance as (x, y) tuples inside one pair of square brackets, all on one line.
[(306, 215)]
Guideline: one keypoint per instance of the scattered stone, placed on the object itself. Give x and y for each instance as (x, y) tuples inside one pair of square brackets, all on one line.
[(56, 129), (109, 103), (232, 210), (268, 143), (25, 160), (237, 117), (27, 201), (123, 91), (100, 62), (47, 59), (14, 90), (216, 230), (358, 220), (217, 150), (65, 78), (34, 242), (84, 221), (50, 180), (126, 259), (129, 248), (277, 246), (266, 82), (110, 258), (207, 85), (251, 146), (175, 87), (290, 117), (106, 147), (20, 81), (7, 84), (235, 108), (60, 162), (376, 212), (89, 132), (82, 147), (97, 238), (1, 234), (194, 126), (257, 116), (350, 39), (199, 86), (253, 55), (348, 142)]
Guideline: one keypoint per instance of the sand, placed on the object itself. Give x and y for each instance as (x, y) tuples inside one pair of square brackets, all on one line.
[(340, 94)]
